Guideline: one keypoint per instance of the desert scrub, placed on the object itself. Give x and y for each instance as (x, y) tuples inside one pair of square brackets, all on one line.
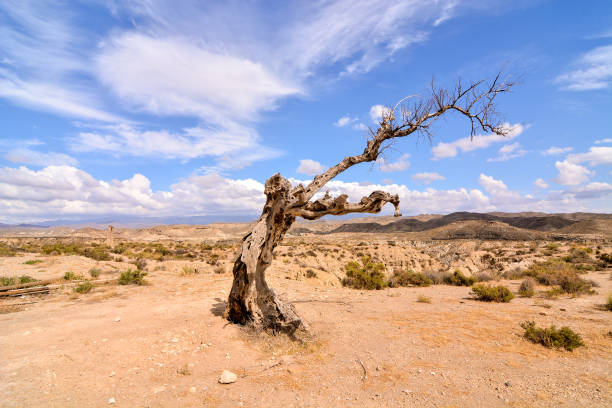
[(11, 280), (608, 304), (459, 279), (130, 276), (492, 293), (527, 288), (219, 270), (409, 278), (6, 250), (484, 277), (423, 299), (32, 262), (84, 287), (188, 271), (559, 272), (368, 275), (94, 272), (552, 337), (311, 274), (72, 276)]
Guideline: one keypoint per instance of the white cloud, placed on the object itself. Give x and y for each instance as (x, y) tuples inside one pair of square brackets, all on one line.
[(360, 126), (539, 183), (176, 76), (344, 120), (68, 191), (603, 141), (376, 113), (233, 143), (571, 174), (556, 150), (508, 152), (595, 156), (594, 71), (444, 150), (499, 192), (310, 167), (427, 178), (401, 164), (34, 158)]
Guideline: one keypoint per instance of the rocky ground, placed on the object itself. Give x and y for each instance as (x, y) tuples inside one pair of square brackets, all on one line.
[(166, 343)]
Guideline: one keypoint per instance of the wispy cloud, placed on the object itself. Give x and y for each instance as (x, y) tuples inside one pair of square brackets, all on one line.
[(35, 158), (427, 178), (400, 164), (445, 150), (556, 150), (508, 152), (594, 71)]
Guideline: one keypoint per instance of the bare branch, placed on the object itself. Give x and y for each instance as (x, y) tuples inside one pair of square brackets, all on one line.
[(476, 103), (339, 205)]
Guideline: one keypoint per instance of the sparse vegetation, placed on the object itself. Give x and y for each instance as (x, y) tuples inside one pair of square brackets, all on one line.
[(408, 278), (459, 279), (84, 287), (552, 337), (608, 304), (559, 272), (311, 274), (69, 276), (423, 299), (94, 272), (368, 275), (220, 269), (188, 271), (135, 277), (527, 288), (32, 262), (492, 293)]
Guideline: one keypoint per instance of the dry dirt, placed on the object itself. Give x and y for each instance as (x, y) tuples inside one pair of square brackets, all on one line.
[(165, 344)]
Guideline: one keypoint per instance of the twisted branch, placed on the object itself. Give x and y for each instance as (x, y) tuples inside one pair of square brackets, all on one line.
[(339, 205)]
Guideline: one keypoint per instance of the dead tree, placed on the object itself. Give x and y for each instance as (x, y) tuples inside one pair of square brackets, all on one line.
[(251, 301)]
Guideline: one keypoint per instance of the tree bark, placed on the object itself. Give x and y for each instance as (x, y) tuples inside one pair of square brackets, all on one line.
[(251, 302)]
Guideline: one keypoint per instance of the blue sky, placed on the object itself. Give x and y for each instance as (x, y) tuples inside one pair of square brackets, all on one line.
[(160, 108)]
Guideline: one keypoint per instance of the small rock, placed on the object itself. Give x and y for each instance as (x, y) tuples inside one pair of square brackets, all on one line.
[(192, 390), (543, 314), (175, 340), (507, 383), (407, 391), (562, 309), (157, 390), (227, 377), (111, 401), (432, 373), (117, 319), (112, 374)]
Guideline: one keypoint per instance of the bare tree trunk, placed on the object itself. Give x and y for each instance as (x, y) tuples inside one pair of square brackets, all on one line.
[(251, 302)]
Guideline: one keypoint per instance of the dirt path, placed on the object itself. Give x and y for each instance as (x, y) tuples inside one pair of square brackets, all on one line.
[(165, 345)]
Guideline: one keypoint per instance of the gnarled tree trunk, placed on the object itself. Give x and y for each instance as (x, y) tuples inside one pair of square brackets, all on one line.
[(251, 301)]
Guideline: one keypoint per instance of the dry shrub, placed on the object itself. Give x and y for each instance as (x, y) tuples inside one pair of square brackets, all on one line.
[(132, 277), (423, 299), (527, 288), (408, 278), (552, 337), (484, 277), (368, 275), (559, 272), (459, 279), (84, 287), (492, 293)]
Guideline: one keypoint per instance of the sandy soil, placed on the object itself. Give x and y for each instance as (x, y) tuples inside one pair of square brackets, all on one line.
[(166, 344)]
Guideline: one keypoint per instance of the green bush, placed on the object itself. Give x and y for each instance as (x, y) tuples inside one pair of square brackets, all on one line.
[(409, 278), (84, 287), (32, 262), (132, 277), (527, 288), (562, 273), (552, 337), (608, 304), (368, 275), (575, 285), (492, 293), (459, 279)]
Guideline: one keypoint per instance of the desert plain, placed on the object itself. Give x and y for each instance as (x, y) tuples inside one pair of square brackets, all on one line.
[(165, 342)]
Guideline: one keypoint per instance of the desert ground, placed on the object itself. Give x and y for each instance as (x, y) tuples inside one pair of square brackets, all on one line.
[(165, 343)]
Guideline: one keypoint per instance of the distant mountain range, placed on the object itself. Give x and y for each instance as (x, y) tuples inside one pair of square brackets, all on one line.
[(529, 221)]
